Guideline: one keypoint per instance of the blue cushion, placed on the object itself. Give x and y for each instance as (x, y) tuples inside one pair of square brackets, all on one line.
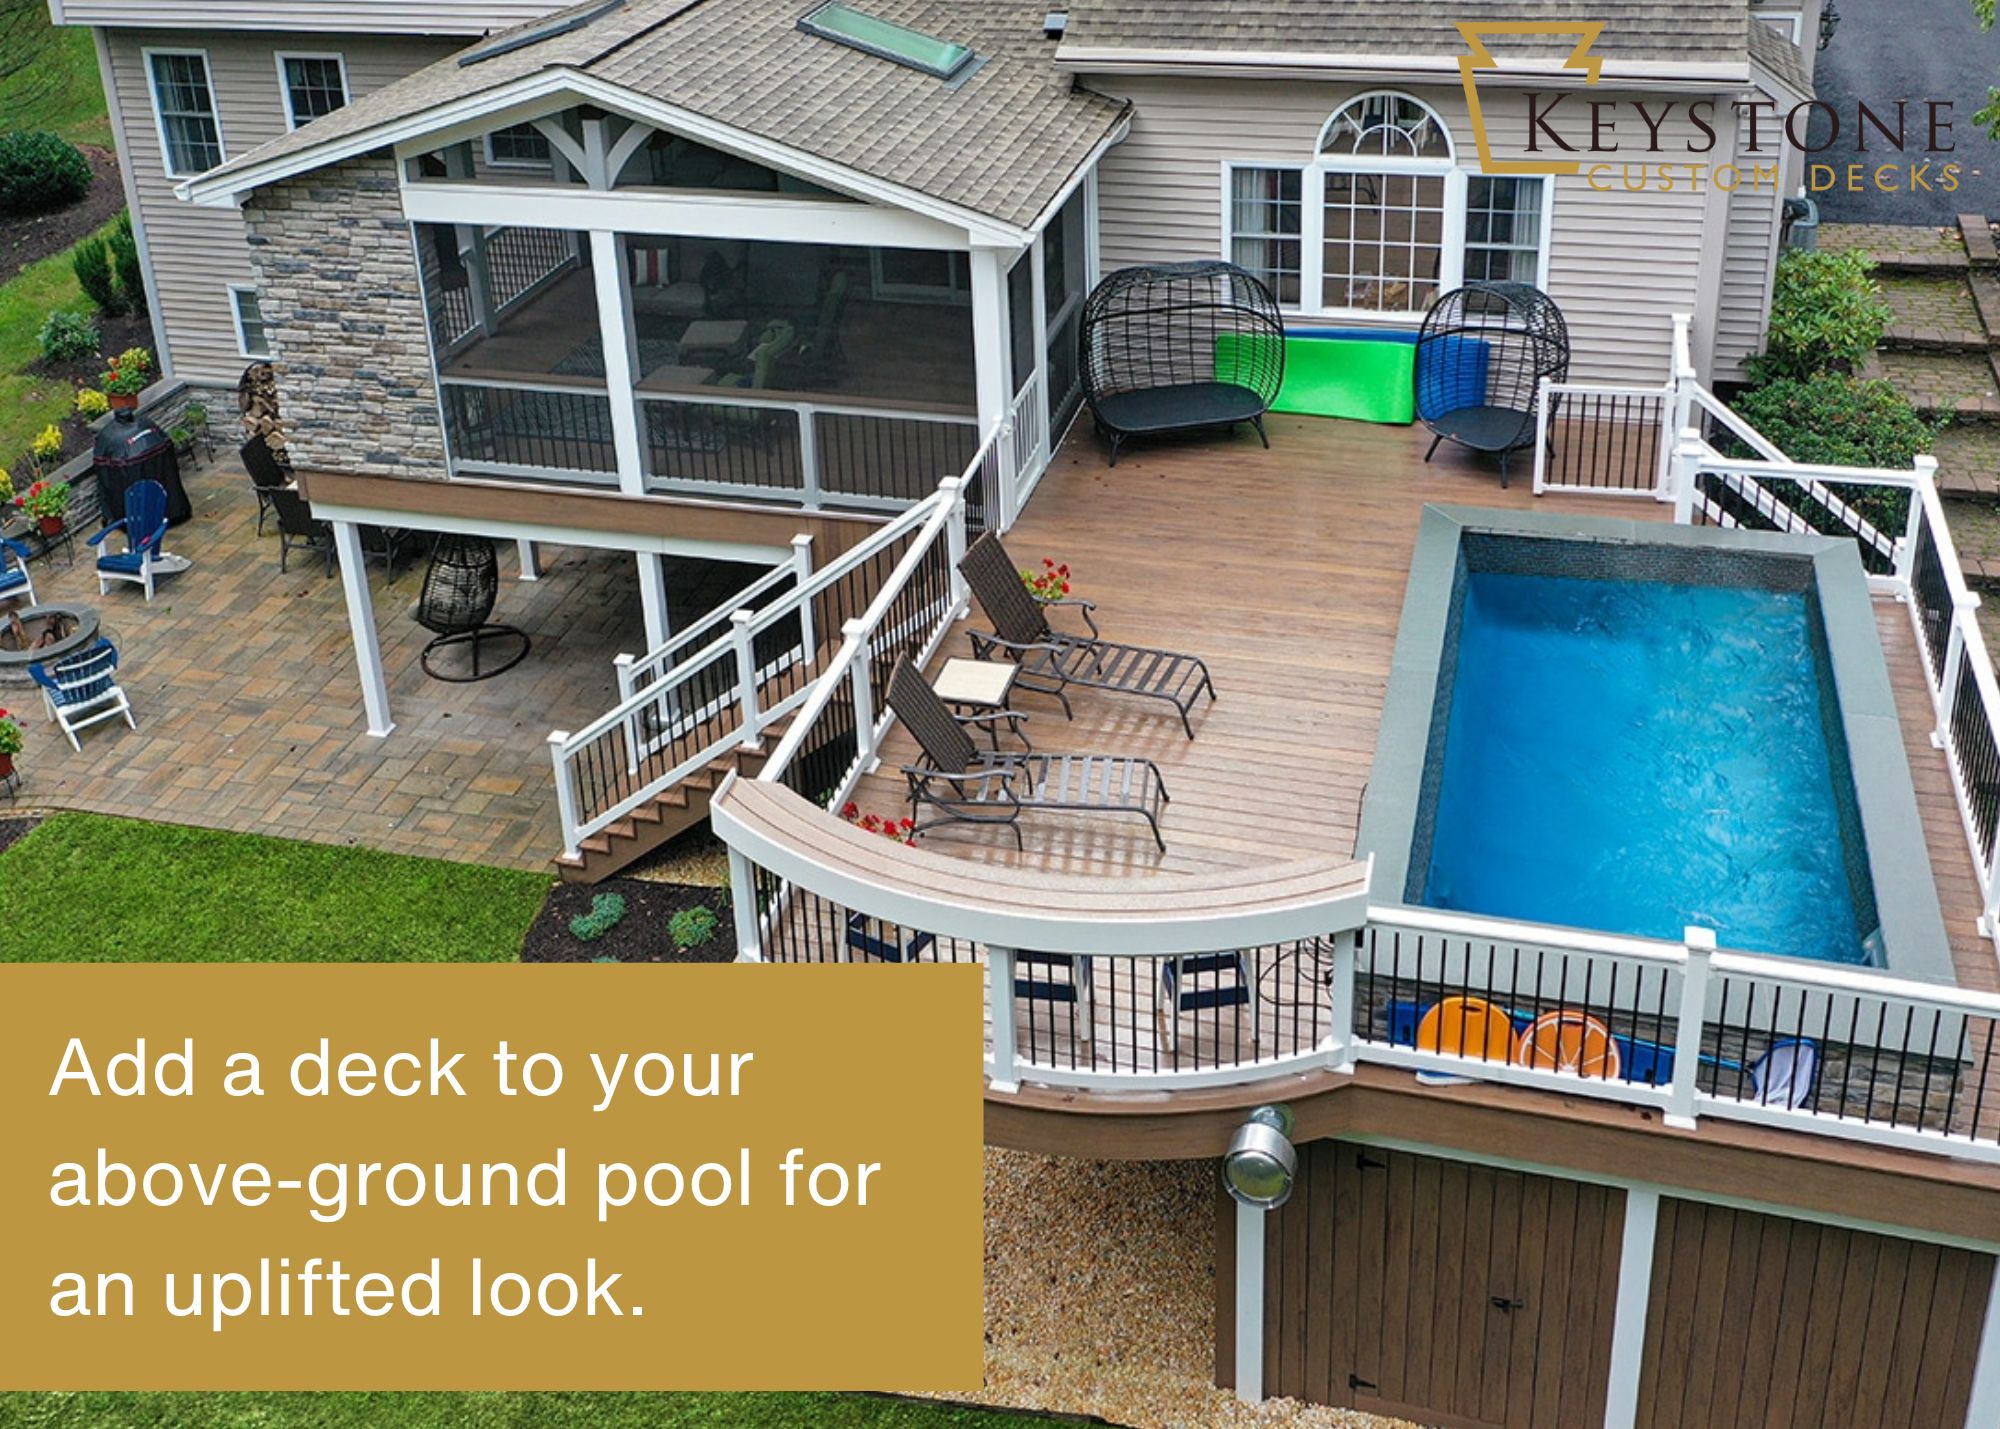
[(1451, 374), (126, 561), (15, 579)]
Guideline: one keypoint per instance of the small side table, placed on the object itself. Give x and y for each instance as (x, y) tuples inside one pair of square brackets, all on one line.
[(981, 686), (718, 335)]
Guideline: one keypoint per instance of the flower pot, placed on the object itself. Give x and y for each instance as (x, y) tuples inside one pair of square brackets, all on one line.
[(123, 401), (6, 766), (49, 525)]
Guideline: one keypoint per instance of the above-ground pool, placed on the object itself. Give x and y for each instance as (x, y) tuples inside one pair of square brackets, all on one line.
[(1637, 729)]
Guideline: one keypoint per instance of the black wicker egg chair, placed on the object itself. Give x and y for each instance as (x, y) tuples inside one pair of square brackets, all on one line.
[(1175, 346), (460, 588), (1482, 355)]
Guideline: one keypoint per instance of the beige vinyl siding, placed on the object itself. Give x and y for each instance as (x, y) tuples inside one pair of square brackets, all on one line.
[(1619, 264), (197, 253), (368, 17), (1749, 252)]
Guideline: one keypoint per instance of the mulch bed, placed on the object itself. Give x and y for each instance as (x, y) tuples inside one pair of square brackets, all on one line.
[(38, 236), (642, 935), (12, 831)]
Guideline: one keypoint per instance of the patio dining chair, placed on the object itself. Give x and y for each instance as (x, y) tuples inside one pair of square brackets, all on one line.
[(1051, 661), (267, 474), (966, 784), (298, 528), (82, 689), (1204, 982), (144, 525), (14, 578)]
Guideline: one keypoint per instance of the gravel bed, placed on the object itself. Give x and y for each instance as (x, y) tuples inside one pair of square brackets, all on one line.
[(1100, 1297)]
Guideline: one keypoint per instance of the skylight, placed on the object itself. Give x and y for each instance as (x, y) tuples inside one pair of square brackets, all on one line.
[(561, 24), (845, 25)]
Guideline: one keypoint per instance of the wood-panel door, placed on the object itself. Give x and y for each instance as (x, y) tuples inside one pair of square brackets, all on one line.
[(1453, 1295), (1770, 1323)]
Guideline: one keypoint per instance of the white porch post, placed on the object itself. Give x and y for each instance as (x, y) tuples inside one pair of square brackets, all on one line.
[(989, 355), (653, 599), (1628, 1320), (743, 907), (530, 558), (620, 358), (1249, 1303), (1040, 410), (361, 623), (1985, 1406)]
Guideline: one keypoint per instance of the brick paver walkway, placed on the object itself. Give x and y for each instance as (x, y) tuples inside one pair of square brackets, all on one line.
[(1935, 311), (249, 709), (1896, 245)]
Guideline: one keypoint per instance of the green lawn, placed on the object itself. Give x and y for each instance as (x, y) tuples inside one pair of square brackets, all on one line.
[(59, 89), (82, 887), (27, 402), (489, 1411)]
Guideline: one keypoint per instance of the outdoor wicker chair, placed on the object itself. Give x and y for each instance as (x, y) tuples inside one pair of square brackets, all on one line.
[(1051, 660), (966, 784), (267, 473), (461, 586)]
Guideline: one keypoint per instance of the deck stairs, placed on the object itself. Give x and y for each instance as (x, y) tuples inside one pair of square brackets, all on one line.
[(668, 814)]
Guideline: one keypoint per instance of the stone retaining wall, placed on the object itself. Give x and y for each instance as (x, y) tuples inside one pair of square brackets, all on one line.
[(337, 278)]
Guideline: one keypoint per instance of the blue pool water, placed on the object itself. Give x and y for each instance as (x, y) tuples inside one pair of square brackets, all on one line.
[(1639, 757)]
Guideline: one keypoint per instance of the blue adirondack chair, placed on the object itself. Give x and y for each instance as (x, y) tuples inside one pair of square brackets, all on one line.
[(14, 578), (83, 689), (145, 528)]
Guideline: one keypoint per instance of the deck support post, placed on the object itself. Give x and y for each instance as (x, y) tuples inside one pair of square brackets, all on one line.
[(1700, 945), (989, 357), (1004, 1076), (1250, 1303), (361, 623), (530, 556), (743, 907), (1628, 1321), (653, 600)]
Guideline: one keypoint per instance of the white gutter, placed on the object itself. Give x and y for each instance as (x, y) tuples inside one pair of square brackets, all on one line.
[(1293, 64)]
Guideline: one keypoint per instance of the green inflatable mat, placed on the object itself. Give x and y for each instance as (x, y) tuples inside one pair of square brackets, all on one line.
[(1362, 379)]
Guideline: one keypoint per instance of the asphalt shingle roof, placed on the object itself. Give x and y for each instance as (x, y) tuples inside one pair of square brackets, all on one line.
[(1689, 31), (1781, 57), (1001, 143)]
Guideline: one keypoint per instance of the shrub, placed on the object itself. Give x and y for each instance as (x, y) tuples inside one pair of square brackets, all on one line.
[(48, 444), (607, 911), (1831, 420), (91, 403), (67, 336), (1827, 315), (91, 260), (39, 172), (124, 250), (691, 927), (195, 414)]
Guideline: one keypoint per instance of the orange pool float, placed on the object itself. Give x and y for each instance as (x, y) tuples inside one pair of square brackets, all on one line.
[(1568, 1041), (1467, 1027)]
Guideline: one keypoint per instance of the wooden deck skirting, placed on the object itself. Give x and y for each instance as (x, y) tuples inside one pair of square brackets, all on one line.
[(1047, 912)]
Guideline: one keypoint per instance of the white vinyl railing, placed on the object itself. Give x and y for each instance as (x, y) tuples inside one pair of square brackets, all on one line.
[(686, 704)]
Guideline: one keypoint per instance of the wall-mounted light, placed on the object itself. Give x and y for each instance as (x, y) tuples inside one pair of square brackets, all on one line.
[(1259, 1166), (1829, 21)]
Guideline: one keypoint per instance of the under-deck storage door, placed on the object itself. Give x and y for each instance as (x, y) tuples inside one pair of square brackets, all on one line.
[(1453, 1295), (1775, 1323)]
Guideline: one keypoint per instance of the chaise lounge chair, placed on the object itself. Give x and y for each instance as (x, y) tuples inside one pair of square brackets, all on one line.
[(966, 784), (1051, 660)]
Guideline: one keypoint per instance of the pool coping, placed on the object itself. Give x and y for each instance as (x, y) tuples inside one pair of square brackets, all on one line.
[(1907, 907)]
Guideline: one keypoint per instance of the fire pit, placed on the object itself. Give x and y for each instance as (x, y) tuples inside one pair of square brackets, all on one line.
[(42, 633)]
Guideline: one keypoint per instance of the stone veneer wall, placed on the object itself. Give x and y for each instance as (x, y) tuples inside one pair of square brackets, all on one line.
[(337, 280)]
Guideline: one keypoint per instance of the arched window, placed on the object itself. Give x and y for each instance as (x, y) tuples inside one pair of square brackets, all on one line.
[(1386, 126), (1381, 219)]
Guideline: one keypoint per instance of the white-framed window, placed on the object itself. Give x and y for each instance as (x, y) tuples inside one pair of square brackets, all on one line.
[(518, 146), (251, 338), (184, 105), (1381, 219), (312, 85)]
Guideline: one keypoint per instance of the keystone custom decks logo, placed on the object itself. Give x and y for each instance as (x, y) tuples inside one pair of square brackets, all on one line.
[(1668, 144)]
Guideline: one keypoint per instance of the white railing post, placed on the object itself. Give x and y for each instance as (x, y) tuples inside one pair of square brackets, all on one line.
[(1006, 473), (742, 636), (565, 794), (1541, 484), (954, 540), (802, 570), (743, 907), (1700, 945), (856, 632), (1687, 465), (1964, 604), (621, 666), (809, 457), (1906, 549), (1339, 1044), (1006, 1076)]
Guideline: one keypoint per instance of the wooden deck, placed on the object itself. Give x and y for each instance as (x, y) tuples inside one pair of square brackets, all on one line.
[(1286, 569)]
